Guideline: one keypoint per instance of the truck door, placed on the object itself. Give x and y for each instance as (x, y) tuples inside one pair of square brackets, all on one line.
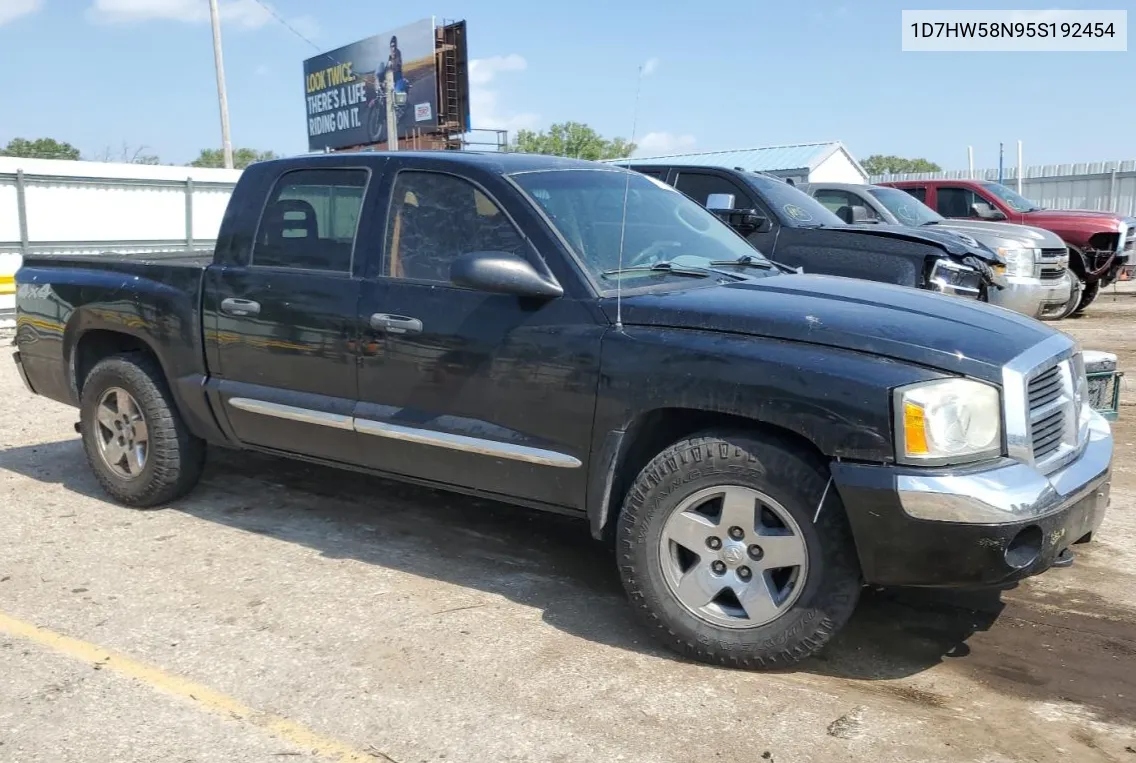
[(285, 318), (466, 388), (713, 191)]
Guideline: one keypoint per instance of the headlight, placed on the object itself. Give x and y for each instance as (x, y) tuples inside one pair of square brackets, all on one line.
[(1019, 261), (951, 421)]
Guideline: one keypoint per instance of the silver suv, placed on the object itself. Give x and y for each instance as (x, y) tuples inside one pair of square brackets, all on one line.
[(1040, 284)]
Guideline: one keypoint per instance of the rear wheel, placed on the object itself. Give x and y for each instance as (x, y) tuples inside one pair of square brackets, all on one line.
[(136, 442), (735, 551)]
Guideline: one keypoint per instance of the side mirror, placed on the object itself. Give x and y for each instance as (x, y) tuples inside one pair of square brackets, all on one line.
[(720, 201), (860, 214), (502, 273), (987, 212), (744, 221)]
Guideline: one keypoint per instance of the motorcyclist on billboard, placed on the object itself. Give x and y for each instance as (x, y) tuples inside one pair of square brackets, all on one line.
[(394, 64)]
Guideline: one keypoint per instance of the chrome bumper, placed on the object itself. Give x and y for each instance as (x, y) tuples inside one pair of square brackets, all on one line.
[(1009, 491), (1031, 296)]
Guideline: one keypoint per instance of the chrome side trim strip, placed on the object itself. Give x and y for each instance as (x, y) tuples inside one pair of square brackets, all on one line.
[(467, 444), (407, 434), (292, 413)]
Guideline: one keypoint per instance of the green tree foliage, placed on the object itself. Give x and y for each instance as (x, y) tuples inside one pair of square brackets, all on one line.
[(40, 148), (242, 157), (878, 164), (571, 139)]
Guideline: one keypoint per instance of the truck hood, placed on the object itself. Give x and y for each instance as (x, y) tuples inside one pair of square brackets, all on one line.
[(1108, 222), (950, 243), (947, 333), (1000, 234)]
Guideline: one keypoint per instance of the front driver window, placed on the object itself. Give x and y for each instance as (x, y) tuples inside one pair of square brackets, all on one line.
[(434, 219)]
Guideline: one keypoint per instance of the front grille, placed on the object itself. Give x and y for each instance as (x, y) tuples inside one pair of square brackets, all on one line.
[(1052, 264), (1047, 411), (1045, 399)]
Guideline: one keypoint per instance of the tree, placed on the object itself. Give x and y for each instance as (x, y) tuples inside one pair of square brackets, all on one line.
[(572, 139), (242, 157), (878, 164), (40, 148), (126, 156)]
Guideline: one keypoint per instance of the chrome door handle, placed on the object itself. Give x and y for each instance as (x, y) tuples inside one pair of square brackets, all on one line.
[(396, 324), (241, 307)]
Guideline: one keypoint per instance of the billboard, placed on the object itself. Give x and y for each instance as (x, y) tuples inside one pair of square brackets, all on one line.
[(343, 88)]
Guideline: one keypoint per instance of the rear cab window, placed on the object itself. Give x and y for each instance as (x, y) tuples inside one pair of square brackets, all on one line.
[(311, 220)]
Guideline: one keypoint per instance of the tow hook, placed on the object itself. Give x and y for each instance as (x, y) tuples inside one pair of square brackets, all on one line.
[(1064, 559)]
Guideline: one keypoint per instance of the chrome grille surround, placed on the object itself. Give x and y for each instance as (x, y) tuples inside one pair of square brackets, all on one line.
[(1047, 410)]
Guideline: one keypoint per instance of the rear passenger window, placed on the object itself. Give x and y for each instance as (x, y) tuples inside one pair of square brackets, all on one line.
[(918, 192), (436, 218), (311, 220)]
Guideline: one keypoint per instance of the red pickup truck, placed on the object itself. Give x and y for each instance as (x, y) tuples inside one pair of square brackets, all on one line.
[(1100, 243)]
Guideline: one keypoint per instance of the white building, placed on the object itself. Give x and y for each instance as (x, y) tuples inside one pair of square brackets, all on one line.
[(827, 162)]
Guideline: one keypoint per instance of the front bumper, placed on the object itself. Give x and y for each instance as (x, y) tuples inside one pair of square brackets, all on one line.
[(974, 527), (1032, 296)]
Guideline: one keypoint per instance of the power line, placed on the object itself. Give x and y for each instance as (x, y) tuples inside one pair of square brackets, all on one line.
[(288, 26)]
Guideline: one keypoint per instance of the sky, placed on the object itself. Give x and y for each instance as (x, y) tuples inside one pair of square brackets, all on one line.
[(108, 74)]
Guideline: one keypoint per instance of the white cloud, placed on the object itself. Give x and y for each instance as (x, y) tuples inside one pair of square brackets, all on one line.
[(656, 143), (10, 10), (650, 66), (488, 109), (246, 14), (482, 71)]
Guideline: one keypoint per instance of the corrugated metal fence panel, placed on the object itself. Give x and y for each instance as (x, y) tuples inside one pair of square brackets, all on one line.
[(1107, 186), (208, 208), (90, 207)]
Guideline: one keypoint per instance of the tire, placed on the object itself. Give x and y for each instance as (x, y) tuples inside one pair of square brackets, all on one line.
[(822, 592), (1074, 296), (173, 458), (1088, 293)]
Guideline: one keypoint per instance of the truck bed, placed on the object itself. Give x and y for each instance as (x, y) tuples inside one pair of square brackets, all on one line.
[(152, 298)]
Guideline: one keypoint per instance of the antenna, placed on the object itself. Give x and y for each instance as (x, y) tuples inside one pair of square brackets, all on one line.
[(623, 221)]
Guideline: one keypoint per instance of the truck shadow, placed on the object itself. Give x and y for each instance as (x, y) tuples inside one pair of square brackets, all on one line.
[(539, 560)]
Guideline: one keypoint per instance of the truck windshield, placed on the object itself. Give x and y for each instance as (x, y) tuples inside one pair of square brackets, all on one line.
[(792, 206), (662, 225), (1012, 199), (906, 208)]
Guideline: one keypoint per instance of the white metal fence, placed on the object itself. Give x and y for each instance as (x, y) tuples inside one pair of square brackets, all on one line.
[(65, 207), (1109, 186)]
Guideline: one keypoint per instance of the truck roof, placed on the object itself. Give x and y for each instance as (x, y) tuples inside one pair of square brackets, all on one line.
[(500, 162), (936, 181)]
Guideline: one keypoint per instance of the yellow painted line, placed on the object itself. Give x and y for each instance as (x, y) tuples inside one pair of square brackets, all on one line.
[(202, 696)]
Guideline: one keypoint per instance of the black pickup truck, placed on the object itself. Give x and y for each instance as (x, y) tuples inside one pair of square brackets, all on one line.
[(789, 226), (756, 444)]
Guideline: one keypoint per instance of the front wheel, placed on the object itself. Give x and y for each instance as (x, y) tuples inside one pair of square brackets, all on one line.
[(735, 551), (1089, 292)]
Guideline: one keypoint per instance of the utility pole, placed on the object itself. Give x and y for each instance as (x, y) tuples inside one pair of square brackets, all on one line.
[(1020, 168), (222, 98), (392, 115)]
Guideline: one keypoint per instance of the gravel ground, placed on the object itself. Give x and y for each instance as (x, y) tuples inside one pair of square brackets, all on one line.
[(289, 611)]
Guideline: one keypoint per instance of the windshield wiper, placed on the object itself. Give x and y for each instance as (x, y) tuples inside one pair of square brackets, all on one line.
[(661, 267), (930, 222), (746, 260)]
